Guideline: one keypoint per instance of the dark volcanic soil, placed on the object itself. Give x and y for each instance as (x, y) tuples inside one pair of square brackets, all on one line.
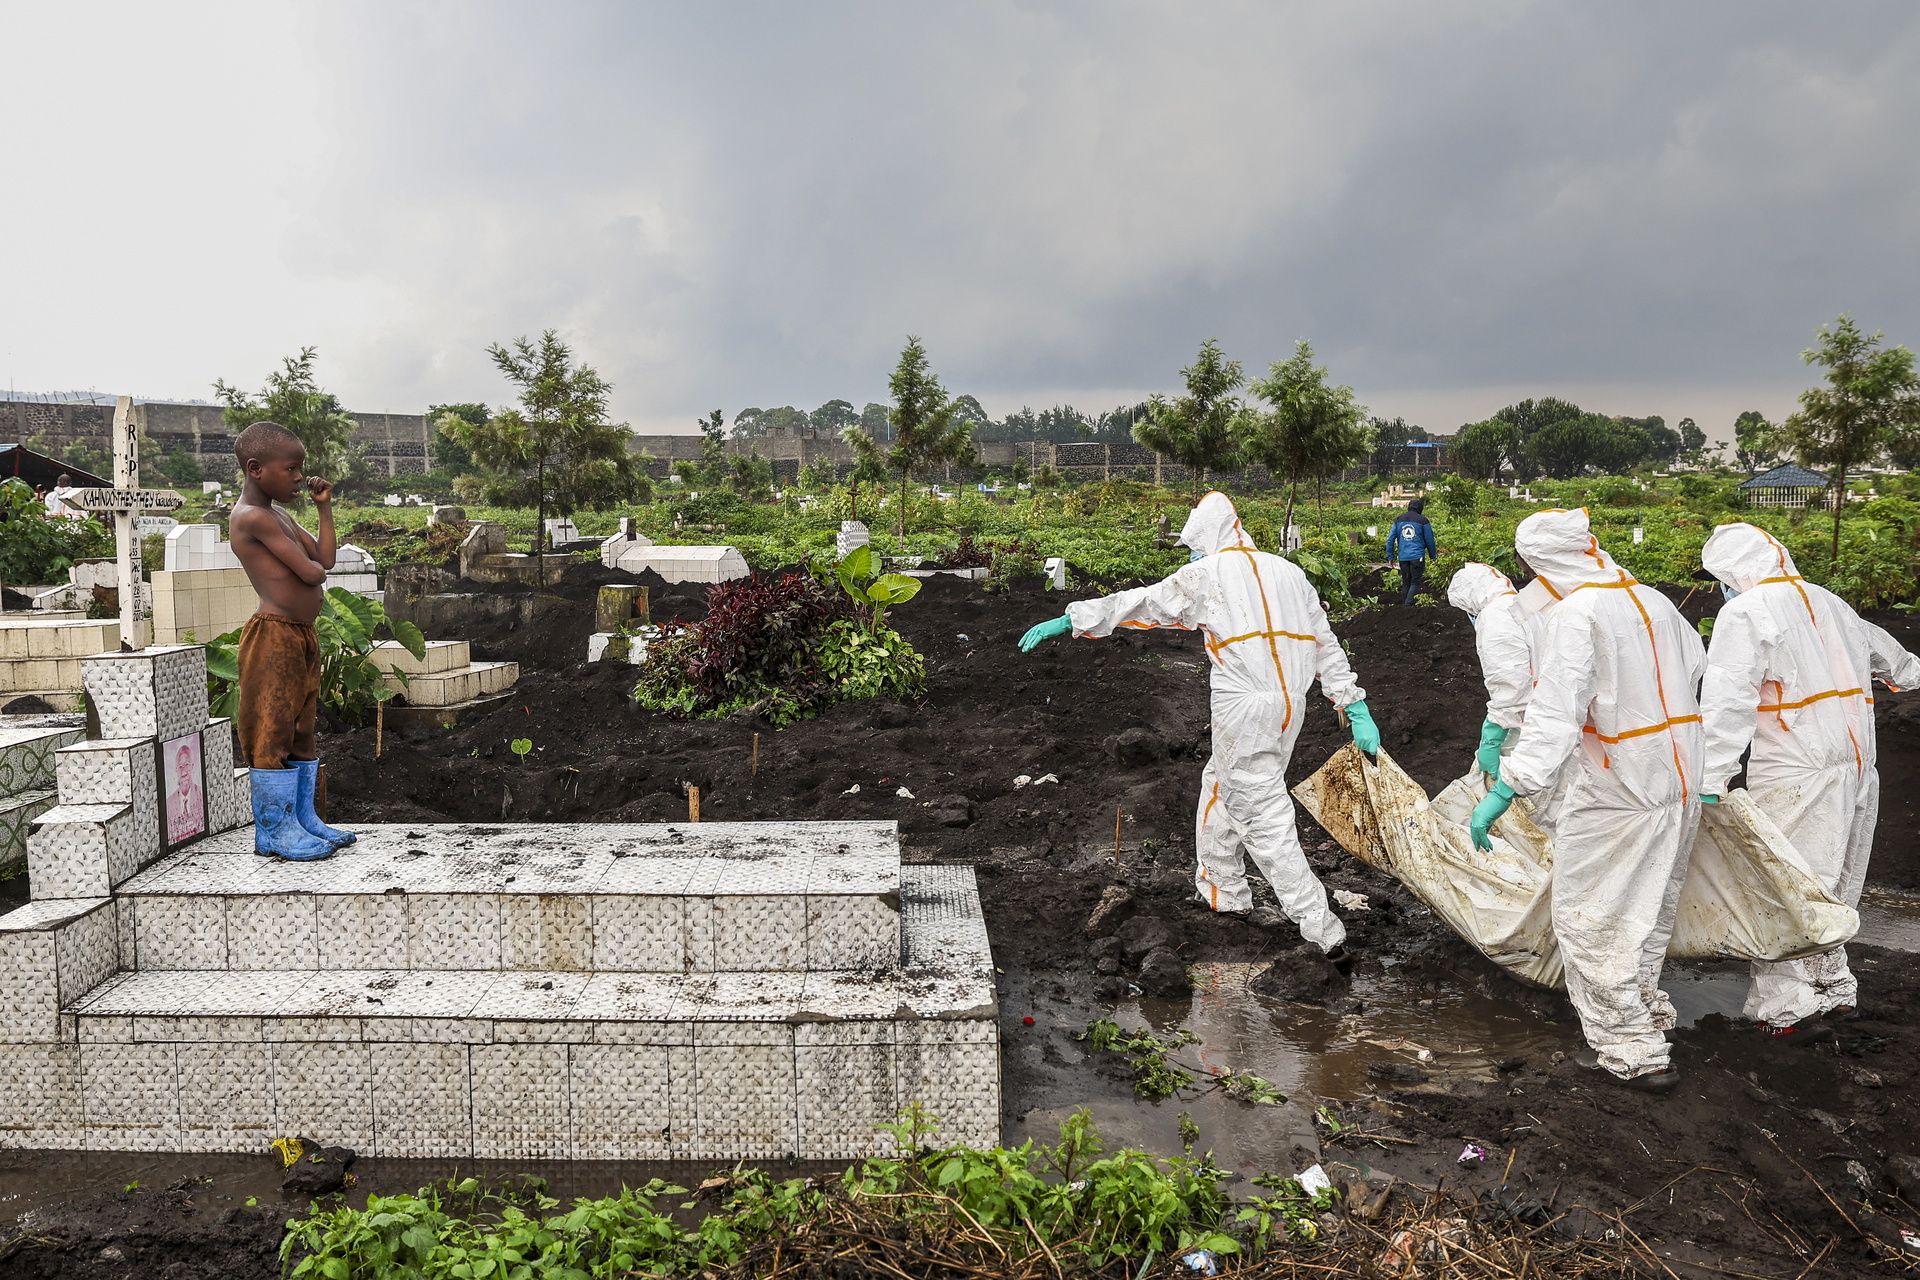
[(1754, 1165)]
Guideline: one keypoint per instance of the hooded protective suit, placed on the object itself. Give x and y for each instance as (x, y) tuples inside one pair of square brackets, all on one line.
[(1269, 639), (1505, 639), (1613, 704), (1791, 670), (1502, 638)]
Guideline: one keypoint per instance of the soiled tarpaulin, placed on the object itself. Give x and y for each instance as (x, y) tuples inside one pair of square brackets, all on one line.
[(1748, 895)]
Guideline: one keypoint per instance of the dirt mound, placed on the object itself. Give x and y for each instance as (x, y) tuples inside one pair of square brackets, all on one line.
[(145, 1233)]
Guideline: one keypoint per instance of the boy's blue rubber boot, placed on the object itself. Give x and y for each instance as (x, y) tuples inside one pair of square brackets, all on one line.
[(277, 831), (309, 782)]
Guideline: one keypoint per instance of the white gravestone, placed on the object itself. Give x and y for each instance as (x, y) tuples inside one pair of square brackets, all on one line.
[(198, 546), (852, 534), (561, 531)]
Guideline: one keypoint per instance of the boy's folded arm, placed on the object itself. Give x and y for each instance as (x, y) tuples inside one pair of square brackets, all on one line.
[(269, 533)]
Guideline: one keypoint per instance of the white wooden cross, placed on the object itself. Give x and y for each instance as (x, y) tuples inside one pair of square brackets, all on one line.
[(126, 500)]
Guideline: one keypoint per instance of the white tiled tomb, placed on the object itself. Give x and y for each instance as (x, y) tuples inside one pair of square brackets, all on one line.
[(707, 991)]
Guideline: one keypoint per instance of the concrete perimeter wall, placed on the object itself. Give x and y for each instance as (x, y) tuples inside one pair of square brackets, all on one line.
[(397, 442)]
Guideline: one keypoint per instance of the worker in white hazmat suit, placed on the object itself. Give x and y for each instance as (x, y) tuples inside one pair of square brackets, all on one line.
[(1503, 640), (1791, 671), (1269, 640), (1613, 704)]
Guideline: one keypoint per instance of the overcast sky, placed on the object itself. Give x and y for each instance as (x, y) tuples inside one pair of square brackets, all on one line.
[(1647, 207)]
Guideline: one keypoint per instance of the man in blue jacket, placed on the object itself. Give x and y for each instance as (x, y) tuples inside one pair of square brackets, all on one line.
[(1411, 544)]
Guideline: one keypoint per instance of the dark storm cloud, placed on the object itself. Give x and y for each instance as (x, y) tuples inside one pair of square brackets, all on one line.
[(732, 204)]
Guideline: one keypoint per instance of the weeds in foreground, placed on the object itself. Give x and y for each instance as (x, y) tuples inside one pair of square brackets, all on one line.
[(1031, 1212), (1157, 1075)]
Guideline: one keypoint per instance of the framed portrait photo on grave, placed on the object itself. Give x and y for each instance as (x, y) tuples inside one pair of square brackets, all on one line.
[(183, 789)]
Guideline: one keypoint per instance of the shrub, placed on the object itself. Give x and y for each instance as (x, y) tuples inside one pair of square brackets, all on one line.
[(787, 647), (36, 548)]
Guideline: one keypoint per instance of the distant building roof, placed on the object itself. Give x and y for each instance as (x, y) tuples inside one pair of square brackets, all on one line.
[(1786, 476)]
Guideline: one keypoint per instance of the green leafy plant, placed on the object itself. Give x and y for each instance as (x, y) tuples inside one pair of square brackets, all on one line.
[(859, 575), (1071, 1205), (36, 548), (351, 681), (521, 747), (1157, 1075)]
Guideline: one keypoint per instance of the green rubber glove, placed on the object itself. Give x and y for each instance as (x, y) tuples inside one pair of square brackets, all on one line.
[(1047, 630), (1707, 799), (1488, 812), (1488, 756), (1366, 734)]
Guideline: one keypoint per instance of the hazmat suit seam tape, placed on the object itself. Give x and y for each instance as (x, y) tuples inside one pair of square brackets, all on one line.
[(1641, 733), (1260, 635), (1266, 612), (1793, 706)]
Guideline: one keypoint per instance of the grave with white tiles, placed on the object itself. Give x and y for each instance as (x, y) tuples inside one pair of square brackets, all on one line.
[(555, 991)]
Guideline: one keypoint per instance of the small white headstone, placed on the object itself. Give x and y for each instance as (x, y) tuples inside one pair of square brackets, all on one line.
[(150, 525), (1639, 535), (1373, 531), (209, 486), (1056, 567), (392, 500), (561, 530), (852, 534)]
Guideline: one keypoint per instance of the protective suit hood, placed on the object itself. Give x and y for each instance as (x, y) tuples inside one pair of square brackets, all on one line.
[(1476, 586), (1214, 526), (1561, 549), (1743, 557)]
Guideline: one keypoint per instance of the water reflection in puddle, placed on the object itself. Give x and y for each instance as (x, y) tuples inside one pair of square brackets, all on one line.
[(1889, 919), (1446, 1029)]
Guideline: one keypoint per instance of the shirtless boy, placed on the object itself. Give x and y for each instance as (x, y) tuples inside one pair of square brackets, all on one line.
[(279, 652)]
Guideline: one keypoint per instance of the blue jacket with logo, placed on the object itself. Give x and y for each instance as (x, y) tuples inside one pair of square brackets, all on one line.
[(1412, 538)]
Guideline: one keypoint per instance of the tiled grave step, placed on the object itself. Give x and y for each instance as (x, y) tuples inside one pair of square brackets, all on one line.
[(18, 813), (109, 822), (462, 684), (27, 755), (649, 898), (52, 954), (442, 655), (533, 1065), (59, 638)]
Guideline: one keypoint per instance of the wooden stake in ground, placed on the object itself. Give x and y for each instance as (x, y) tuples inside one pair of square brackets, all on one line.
[(1116, 833), (756, 756), (693, 804), (379, 725)]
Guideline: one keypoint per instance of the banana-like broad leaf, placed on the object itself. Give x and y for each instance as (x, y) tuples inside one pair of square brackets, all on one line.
[(226, 704), (893, 588), (222, 663), (857, 566), (364, 611), (409, 636)]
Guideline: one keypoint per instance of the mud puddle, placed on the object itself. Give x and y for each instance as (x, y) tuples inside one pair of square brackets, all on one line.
[(214, 1183), (1889, 919), (1444, 1030)]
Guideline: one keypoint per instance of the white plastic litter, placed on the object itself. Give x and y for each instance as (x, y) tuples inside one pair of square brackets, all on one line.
[(1045, 777), (1748, 895), (1021, 781), (853, 790), (904, 794), (1351, 901), (1313, 1181)]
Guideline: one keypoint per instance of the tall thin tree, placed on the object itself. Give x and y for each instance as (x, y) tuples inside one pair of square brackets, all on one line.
[(1871, 401), (1196, 430), (925, 429), (1312, 429)]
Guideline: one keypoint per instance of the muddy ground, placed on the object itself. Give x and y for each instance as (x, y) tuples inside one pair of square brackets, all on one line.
[(1766, 1159)]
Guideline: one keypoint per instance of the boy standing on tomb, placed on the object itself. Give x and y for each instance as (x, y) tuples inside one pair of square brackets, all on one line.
[(279, 651)]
